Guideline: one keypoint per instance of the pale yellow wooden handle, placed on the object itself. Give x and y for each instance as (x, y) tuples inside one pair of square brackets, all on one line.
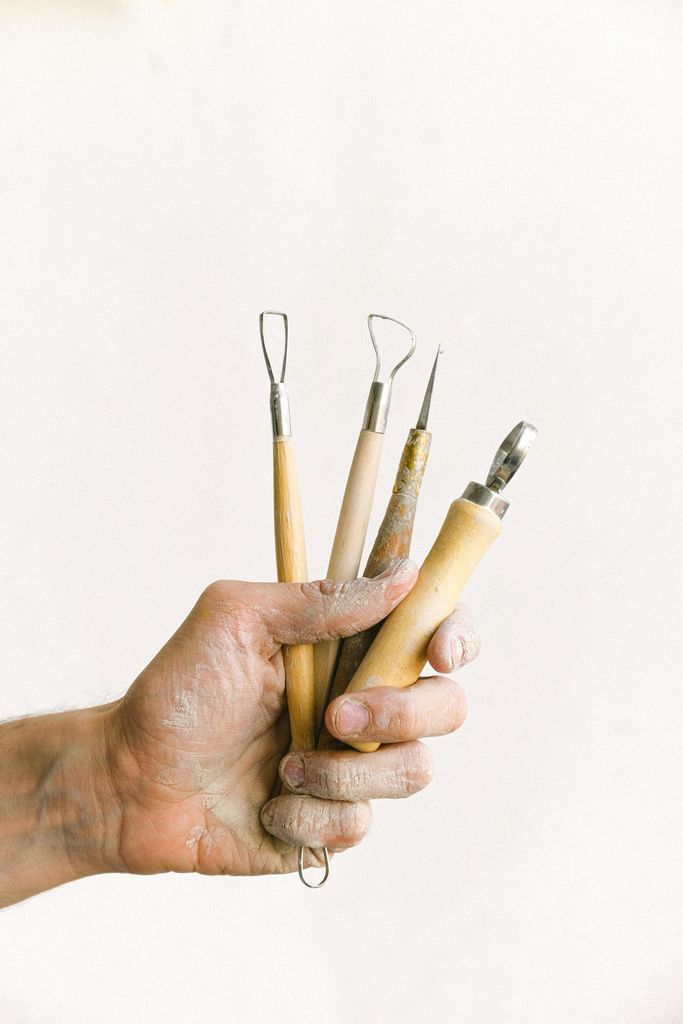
[(290, 553), (347, 549), (399, 652)]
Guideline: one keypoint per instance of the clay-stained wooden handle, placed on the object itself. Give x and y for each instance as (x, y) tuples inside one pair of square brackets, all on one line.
[(290, 553), (347, 549), (391, 544), (399, 652)]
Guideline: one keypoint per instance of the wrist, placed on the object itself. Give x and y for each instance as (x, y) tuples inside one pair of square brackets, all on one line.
[(59, 818), (89, 811)]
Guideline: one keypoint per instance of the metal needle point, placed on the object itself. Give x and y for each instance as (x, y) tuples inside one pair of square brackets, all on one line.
[(427, 401)]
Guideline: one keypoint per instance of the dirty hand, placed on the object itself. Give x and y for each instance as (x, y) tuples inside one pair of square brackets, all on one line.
[(178, 774), (200, 735)]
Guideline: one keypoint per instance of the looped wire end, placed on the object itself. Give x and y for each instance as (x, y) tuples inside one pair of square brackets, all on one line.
[(300, 866), (399, 364), (272, 312), (379, 399)]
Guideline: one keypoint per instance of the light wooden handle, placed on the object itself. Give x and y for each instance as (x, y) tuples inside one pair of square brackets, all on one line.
[(347, 549), (290, 553), (354, 516), (392, 543), (399, 652)]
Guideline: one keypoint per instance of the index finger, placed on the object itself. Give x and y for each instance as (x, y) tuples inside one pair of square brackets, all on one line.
[(433, 706)]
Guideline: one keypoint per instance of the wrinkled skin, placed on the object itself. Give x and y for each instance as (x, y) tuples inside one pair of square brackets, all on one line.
[(194, 746)]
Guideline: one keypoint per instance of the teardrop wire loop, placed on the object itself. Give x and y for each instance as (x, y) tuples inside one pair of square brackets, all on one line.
[(378, 364), (261, 325), (301, 869), (279, 400), (379, 398)]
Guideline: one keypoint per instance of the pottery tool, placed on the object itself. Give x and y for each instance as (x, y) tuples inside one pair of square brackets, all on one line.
[(290, 554), (354, 516), (399, 652), (392, 542)]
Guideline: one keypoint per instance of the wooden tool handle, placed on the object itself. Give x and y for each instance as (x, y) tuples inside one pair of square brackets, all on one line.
[(290, 553), (352, 525), (399, 652), (347, 549), (391, 544)]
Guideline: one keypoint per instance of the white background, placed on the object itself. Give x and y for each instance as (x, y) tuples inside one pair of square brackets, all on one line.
[(506, 177)]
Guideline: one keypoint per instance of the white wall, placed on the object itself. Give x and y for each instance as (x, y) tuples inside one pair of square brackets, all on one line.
[(507, 179)]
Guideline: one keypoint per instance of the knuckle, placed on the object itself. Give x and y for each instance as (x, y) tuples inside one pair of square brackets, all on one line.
[(321, 775), (219, 604), (404, 716), (326, 588), (417, 768), (321, 596), (356, 821), (337, 779), (344, 604), (215, 593), (298, 819)]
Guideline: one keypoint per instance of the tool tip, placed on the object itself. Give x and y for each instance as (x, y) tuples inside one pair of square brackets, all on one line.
[(509, 457), (427, 400), (262, 332)]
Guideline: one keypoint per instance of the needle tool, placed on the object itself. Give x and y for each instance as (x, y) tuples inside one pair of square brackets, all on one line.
[(290, 554), (399, 652), (392, 542), (354, 515)]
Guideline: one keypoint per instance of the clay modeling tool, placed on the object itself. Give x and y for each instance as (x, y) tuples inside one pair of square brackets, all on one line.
[(354, 516), (392, 542), (290, 554), (399, 652)]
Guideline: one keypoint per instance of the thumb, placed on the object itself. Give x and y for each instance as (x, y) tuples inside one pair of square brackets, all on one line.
[(304, 613)]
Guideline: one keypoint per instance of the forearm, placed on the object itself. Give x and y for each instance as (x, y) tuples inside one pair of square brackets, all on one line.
[(57, 811)]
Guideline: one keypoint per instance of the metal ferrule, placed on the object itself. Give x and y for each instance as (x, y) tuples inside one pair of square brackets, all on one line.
[(486, 498), (377, 408), (279, 410)]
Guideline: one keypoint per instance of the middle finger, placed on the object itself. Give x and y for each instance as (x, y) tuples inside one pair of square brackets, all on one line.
[(395, 771)]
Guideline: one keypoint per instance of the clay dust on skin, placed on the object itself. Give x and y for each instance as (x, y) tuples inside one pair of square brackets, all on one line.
[(183, 716), (348, 600), (199, 834)]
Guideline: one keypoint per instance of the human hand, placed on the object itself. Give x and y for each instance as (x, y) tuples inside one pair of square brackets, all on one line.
[(194, 746)]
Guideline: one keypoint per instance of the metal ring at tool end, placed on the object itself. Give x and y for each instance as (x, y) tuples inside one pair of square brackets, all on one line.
[(511, 455), (300, 867), (486, 498), (378, 363)]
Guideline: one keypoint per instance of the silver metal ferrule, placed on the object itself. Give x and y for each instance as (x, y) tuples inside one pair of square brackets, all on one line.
[(279, 410), (377, 408), (486, 498)]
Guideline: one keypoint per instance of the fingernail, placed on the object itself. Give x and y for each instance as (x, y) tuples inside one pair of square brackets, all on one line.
[(457, 652), (351, 718), (294, 772)]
